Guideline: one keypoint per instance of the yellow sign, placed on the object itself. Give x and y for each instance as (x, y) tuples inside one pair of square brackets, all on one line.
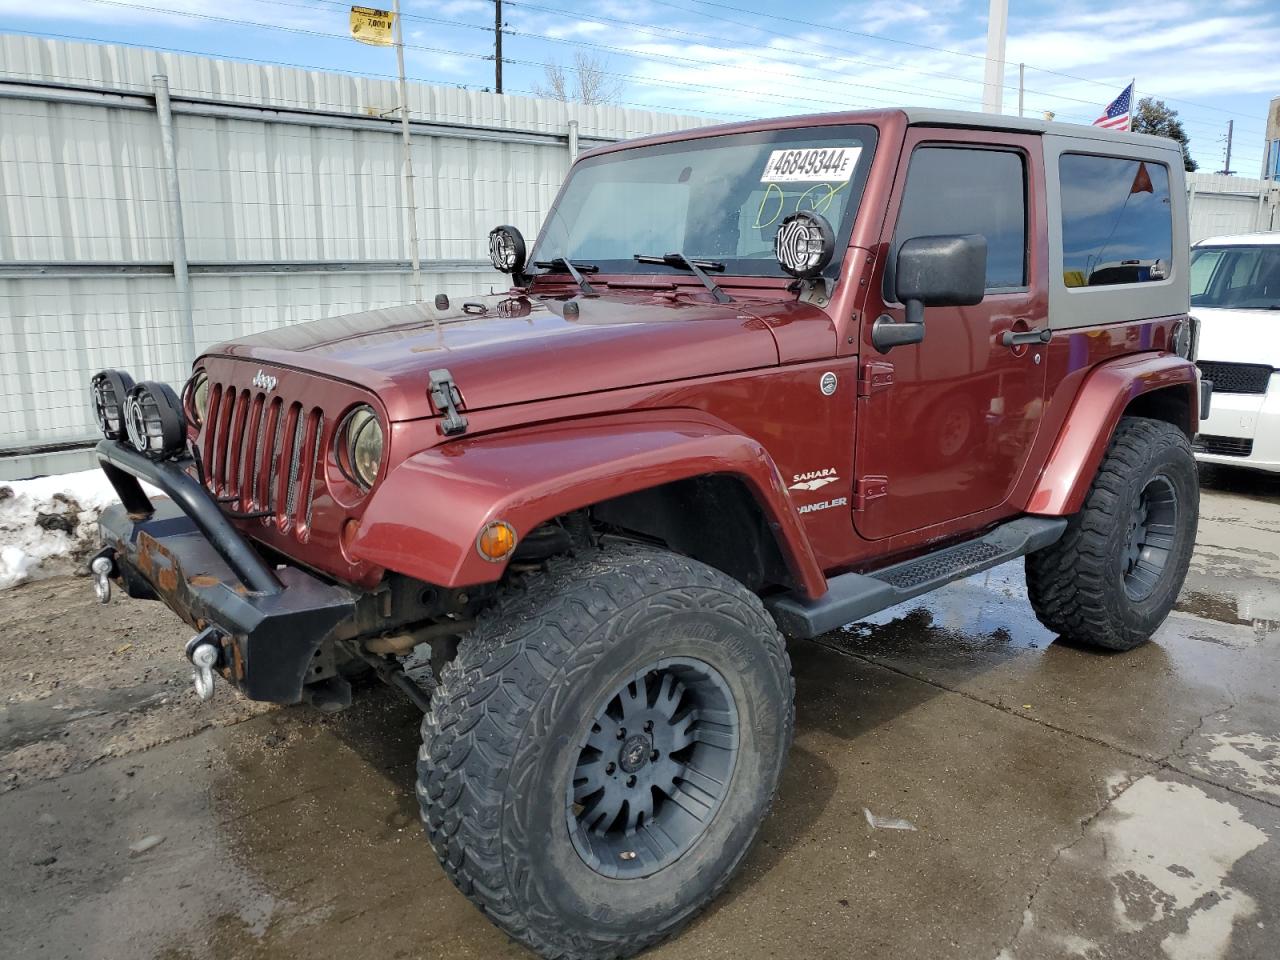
[(372, 26)]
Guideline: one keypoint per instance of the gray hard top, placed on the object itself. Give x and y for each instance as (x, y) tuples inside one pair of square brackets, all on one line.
[(926, 116)]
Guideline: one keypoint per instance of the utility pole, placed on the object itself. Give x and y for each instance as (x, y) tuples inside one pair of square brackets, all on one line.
[(1226, 167), (411, 205), (1022, 85), (997, 30), (497, 46)]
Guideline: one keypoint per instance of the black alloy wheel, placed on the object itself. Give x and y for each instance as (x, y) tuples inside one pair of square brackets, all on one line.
[(653, 768)]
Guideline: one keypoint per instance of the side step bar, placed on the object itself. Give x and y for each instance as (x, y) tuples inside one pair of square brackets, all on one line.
[(853, 596)]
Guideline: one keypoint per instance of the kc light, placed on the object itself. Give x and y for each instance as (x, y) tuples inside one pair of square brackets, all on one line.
[(506, 249), (197, 394), (804, 244), (109, 390), (361, 447), (153, 420)]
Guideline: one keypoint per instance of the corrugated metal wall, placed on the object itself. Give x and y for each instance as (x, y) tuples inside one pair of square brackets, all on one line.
[(292, 202), (1220, 206)]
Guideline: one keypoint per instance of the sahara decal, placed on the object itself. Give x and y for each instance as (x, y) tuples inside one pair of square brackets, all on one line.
[(814, 479)]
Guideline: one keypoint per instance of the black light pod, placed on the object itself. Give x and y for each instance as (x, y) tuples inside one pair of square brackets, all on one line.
[(153, 420), (804, 244), (108, 390), (507, 250)]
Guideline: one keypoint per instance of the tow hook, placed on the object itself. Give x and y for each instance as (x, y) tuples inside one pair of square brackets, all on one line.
[(102, 567), (204, 651)]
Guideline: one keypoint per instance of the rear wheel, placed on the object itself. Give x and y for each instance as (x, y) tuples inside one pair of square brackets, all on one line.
[(1115, 574), (600, 754)]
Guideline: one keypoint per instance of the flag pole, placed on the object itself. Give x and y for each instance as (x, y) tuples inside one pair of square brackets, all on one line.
[(1133, 100), (411, 206)]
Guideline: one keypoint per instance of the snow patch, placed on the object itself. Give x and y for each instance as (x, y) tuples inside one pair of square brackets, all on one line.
[(49, 525)]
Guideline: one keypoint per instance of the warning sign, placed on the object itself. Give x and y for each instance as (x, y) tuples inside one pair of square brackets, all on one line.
[(372, 26)]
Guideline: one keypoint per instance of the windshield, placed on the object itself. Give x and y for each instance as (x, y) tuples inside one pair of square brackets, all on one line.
[(717, 199), (1247, 278)]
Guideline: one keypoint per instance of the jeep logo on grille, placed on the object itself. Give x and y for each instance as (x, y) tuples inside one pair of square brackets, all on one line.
[(264, 382)]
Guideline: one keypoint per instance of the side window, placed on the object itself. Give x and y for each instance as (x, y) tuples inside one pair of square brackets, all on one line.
[(1203, 264), (954, 190), (1117, 221)]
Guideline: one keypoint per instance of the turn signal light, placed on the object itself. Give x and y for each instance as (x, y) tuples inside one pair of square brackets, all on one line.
[(497, 541)]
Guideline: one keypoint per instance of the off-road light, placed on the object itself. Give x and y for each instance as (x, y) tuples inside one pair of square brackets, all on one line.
[(196, 393), (360, 446), (153, 420), (506, 249), (804, 244), (497, 541), (108, 390)]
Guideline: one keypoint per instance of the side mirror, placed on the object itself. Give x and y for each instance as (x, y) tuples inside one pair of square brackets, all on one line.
[(933, 272)]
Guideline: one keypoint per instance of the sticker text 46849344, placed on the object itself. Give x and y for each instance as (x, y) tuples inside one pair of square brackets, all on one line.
[(833, 164)]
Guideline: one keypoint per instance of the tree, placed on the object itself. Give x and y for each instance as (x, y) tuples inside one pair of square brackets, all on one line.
[(1155, 117), (593, 83)]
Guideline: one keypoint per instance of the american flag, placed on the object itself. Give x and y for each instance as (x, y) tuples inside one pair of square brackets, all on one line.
[(1117, 114)]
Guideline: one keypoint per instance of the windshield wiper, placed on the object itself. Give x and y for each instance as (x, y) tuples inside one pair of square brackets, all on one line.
[(681, 262), (573, 270)]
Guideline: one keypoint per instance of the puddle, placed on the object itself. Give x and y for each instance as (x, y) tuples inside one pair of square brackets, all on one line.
[(1250, 609)]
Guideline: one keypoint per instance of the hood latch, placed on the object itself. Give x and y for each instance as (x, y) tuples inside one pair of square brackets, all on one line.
[(447, 398)]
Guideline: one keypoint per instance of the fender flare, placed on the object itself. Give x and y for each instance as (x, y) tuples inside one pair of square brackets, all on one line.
[(424, 518), (1106, 393)]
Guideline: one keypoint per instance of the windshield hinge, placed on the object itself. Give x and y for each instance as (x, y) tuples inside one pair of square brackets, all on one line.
[(876, 376), (447, 399)]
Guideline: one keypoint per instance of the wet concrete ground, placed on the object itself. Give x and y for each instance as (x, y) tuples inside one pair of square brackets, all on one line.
[(1065, 803)]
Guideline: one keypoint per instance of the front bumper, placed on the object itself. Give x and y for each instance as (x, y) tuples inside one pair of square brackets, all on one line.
[(269, 624), (1251, 418)]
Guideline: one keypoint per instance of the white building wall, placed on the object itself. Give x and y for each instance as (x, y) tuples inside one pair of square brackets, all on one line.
[(292, 206), (1221, 205)]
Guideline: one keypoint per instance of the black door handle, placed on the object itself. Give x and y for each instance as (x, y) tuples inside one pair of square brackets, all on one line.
[(1021, 338)]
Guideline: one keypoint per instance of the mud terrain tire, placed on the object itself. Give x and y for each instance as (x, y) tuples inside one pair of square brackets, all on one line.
[(503, 746), (1098, 585)]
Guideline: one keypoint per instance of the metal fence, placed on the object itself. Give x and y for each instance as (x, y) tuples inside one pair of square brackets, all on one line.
[(280, 190)]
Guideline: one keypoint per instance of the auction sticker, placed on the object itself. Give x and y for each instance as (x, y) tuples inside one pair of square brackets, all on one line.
[(831, 164)]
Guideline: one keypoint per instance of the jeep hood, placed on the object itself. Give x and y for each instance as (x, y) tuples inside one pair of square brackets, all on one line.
[(504, 350), (1239, 336)]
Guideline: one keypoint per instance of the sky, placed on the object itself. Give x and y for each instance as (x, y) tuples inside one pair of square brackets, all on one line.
[(733, 59)]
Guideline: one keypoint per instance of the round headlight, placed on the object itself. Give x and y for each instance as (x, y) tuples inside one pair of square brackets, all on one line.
[(197, 393), (109, 390), (506, 249), (153, 420), (362, 447), (804, 244)]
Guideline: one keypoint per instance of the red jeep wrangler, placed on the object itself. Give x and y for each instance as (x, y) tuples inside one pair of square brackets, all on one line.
[(752, 380)]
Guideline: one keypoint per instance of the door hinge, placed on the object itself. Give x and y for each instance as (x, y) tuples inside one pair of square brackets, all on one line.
[(868, 489), (446, 397), (876, 375)]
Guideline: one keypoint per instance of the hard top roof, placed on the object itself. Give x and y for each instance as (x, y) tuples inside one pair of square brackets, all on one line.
[(916, 116), (928, 116)]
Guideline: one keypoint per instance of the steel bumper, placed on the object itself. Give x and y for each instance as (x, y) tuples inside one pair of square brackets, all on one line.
[(269, 623)]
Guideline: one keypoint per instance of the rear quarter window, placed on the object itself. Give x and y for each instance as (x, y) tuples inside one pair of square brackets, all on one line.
[(1117, 220)]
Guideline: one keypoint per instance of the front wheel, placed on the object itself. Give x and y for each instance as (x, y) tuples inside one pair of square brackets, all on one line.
[(600, 754), (1115, 574)]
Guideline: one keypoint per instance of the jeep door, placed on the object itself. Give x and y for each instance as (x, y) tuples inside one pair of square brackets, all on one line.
[(950, 435)]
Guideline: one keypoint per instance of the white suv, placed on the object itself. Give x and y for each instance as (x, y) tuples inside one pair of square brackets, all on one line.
[(1235, 293)]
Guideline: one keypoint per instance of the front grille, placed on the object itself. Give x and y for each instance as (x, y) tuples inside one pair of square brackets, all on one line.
[(1224, 446), (261, 453), (1236, 377)]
